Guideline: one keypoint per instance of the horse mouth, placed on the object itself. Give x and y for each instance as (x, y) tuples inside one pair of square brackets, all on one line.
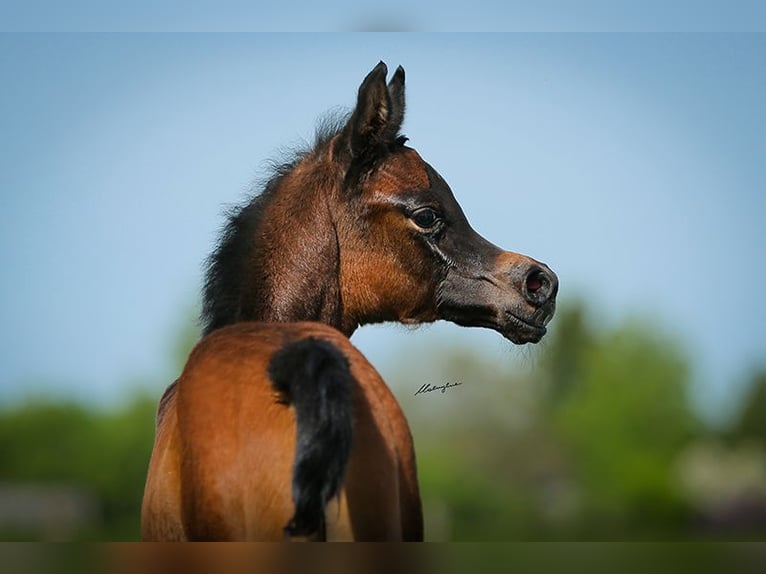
[(521, 331)]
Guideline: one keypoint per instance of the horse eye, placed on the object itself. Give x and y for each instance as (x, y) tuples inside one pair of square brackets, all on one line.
[(425, 218)]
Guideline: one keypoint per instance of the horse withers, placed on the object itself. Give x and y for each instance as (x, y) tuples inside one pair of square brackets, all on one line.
[(278, 426)]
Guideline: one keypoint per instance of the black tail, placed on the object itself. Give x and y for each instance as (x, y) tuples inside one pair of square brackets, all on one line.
[(315, 378)]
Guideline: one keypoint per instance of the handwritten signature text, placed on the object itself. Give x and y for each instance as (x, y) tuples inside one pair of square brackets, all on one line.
[(431, 388)]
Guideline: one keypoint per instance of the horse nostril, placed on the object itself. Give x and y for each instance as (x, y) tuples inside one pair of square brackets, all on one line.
[(540, 286), (534, 282)]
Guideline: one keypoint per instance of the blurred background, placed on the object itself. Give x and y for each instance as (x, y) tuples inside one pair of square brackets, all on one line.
[(631, 164)]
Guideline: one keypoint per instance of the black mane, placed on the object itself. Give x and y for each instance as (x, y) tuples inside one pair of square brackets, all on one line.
[(225, 267)]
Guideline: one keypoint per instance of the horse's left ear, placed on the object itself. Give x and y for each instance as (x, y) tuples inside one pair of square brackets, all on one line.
[(396, 93), (379, 112)]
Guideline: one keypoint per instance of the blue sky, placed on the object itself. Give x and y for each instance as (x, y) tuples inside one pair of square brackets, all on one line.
[(633, 164), (394, 15)]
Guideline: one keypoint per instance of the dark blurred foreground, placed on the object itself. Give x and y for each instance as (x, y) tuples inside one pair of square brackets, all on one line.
[(597, 441), (264, 558)]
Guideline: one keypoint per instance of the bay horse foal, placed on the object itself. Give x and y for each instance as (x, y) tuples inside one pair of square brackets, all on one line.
[(278, 426)]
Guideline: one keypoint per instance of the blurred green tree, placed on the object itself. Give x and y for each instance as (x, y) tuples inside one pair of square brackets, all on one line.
[(751, 422), (104, 453), (583, 446), (622, 416)]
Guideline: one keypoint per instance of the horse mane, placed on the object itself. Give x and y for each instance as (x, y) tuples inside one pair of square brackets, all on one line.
[(225, 268)]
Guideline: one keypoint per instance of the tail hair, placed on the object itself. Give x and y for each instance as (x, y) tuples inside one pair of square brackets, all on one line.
[(314, 377)]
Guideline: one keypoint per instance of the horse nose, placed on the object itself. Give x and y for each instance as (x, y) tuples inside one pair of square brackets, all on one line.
[(540, 285)]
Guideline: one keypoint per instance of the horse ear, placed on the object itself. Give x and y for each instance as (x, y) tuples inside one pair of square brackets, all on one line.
[(378, 114), (396, 93)]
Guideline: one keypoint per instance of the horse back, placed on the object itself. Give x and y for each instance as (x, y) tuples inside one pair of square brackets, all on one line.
[(237, 434)]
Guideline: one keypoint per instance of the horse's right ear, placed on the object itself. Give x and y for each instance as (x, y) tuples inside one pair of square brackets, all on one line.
[(378, 114)]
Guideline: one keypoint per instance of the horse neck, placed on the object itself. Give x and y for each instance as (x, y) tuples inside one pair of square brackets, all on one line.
[(294, 271)]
